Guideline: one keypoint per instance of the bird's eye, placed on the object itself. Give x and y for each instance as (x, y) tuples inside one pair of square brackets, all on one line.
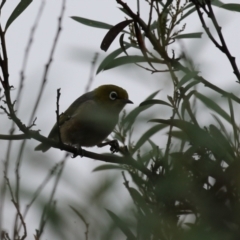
[(113, 95)]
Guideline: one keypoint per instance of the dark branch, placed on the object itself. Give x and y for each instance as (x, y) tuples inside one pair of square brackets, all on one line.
[(223, 47)]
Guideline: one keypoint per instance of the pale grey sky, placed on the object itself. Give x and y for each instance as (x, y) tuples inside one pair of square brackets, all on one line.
[(70, 72)]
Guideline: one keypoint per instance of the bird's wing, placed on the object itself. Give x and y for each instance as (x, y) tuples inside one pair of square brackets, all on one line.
[(69, 113)]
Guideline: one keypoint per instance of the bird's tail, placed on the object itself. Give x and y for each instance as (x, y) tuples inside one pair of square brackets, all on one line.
[(42, 147)]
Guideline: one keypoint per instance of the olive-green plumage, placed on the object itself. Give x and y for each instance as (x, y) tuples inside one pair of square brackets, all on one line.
[(90, 118)]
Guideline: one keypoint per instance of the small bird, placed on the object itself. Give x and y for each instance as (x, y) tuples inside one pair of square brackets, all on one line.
[(90, 118)]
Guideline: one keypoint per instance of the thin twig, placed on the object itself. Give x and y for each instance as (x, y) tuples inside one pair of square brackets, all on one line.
[(47, 67), (91, 75), (27, 51), (150, 14), (39, 189), (13, 137), (51, 202), (18, 210), (57, 115), (223, 46)]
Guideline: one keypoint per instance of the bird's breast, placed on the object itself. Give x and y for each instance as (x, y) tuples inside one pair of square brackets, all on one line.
[(89, 127)]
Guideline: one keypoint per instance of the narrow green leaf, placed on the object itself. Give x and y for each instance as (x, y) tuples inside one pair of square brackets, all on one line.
[(154, 25), (145, 158), (185, 103), (149, 133), (124, 11), (92, 23), (131, 117), (186, 78), (139, 200), (23, 4), (127, 60), (222, 127), (154, 101), (221, 139), (189, 35), (217, 3), (190, 85), (109, 58), (179, 135), (231, 7), (79, 214), (108, 167), (167, 4), (192, 10), (233, 122), (213, 105), (122, 225), (189, 5)]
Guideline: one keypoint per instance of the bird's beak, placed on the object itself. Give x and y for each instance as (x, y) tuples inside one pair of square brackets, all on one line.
[(127, 101)]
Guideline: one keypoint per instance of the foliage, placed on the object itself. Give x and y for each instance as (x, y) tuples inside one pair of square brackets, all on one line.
[(192, 189), (186, 187)]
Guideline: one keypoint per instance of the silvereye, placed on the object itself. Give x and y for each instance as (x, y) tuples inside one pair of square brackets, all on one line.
[(90, 118)]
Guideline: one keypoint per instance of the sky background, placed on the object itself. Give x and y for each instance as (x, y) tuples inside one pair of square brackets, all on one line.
[(70, 71)]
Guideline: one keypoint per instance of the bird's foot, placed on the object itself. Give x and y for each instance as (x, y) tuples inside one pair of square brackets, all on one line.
[(114, 146), (79, 152)]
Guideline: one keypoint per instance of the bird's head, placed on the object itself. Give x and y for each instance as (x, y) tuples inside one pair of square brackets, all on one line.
[(111, 97)]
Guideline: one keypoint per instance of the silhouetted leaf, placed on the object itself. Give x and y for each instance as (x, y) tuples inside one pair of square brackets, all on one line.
[(108, 167), (131, 117), (154, 25), (124, 11), (186, 103), (122, 225), (198, 137), (92, 23), (139, 200), (217, 3), (186, 78), (232, 7), (221, 139), (22, 5), (187, 14), (190, 85), (166, 5), (154, 101), (189, 35), (112, 34), (213, 105), (180, 135), (128, 59), (145, 137), (109, 58), (79, 214)]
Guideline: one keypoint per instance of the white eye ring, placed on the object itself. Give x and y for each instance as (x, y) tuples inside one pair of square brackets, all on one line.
[(113, 95)]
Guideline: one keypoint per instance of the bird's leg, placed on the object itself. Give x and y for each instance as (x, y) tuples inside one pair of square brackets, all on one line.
[(114, 146), (79, 152)]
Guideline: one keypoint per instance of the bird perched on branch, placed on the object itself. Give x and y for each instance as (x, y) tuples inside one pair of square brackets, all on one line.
[(90, 118)]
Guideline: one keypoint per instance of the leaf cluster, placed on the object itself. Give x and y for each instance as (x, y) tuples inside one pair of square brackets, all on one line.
[(192, 190)]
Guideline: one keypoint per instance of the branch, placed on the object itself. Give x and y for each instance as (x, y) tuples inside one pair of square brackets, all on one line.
[(179, 66), (57, 115), (146, 30), (128, 160), (14, 137), (91, 76), (47, 67), (18, 209), (223, 47)]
